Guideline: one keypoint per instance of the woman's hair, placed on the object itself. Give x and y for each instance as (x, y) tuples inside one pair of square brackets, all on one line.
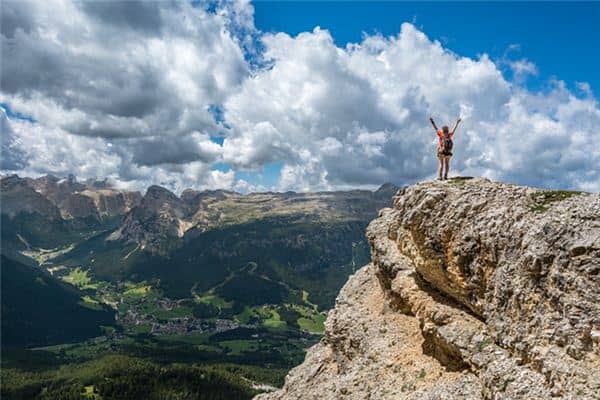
[(445, 128)]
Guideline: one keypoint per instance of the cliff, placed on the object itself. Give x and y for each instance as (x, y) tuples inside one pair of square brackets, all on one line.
[(156, 222), (16, 197), (49, 195), (476, 290)]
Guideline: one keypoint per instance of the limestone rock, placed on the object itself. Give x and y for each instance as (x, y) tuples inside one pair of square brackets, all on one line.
[(111, 202), (17, 196), (88, 199), (476, 290), (156, 222)]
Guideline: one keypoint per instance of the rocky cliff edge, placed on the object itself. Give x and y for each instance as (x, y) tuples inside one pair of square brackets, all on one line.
[(476, 290)]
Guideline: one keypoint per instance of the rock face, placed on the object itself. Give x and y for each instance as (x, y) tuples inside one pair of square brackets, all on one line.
[(17, 196), (90, 199), (111, 202), (49, 194), (156, 222), (476, 290)]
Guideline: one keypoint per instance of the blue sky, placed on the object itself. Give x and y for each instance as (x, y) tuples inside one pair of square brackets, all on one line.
[(250, 96), (560, 38)]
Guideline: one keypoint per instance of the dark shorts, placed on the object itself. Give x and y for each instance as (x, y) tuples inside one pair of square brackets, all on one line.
[(443, 154)]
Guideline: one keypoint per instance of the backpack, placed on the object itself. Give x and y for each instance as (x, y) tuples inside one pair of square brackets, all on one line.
[(447, 144)]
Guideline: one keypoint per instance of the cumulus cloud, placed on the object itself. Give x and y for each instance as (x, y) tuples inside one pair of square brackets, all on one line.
[(132, 81), (48, 149), (134, 91), (119, 69), (357, 116), (12, 158), (523, 67)]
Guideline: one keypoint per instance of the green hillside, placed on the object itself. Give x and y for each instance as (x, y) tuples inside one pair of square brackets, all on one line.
[(38, 309), (123, 377), (38, 231), (312, 256), (212, 292)]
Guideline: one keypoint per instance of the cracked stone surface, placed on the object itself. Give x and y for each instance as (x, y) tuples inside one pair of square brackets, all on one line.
[(476, 290)]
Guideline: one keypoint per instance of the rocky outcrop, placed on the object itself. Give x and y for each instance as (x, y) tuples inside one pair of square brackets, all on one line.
[(77, 205), (110, 202), (48, 194), (476, 290), (17, 196), (156, 223), (88, 199), (55, 189)]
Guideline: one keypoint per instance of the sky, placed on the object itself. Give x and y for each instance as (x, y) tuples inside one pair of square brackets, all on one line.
[(299, 95)]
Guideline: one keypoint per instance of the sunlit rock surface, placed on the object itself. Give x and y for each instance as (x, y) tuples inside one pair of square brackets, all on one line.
[(476, 290)]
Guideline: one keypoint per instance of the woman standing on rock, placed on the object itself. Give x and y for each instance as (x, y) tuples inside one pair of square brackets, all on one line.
[(444, 152)]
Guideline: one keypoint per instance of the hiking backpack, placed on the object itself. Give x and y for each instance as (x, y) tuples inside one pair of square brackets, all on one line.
[(447, 144)]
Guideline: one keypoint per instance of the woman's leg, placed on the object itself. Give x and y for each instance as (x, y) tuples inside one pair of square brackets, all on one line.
[(441, 168), (447, 162)]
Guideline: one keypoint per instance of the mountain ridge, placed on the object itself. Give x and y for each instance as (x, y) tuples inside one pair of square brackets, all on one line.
[(189, 247), (160, 221), (152, 220)]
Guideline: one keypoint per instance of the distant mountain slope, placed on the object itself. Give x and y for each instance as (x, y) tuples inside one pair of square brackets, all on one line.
[(198, 245), (49, 212), (29, 218), (90, 198), (308, 241), (18, 196), (38, 309), (156, 223), (163, 221)]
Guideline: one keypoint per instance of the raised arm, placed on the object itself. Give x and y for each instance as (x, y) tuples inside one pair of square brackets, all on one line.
[(456, 126), (433, 123)]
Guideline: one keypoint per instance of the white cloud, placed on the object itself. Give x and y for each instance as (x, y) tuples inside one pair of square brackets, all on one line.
[(121, 89), (523, 67), (12, 157), (585, 88), (125, 90), (52, 149), (242, 186), (357, 116)]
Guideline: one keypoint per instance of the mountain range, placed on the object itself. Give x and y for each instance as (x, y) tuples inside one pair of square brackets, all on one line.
[(471, 289), (231, 254)]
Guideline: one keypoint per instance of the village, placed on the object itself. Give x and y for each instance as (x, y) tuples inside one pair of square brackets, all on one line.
[(137, 319)]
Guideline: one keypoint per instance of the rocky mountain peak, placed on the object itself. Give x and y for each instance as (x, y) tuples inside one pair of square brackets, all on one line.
[(159, 200), (47, 179), (17, 196), (189, 195), (159, 192), (476, 290), (385, 191), (10, 182), (156, 223), (90, 199)]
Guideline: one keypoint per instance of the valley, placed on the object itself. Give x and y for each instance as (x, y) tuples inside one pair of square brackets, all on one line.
[(240, 284)]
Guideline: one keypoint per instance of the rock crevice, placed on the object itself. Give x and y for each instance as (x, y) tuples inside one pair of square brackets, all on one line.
[(476, 290)]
